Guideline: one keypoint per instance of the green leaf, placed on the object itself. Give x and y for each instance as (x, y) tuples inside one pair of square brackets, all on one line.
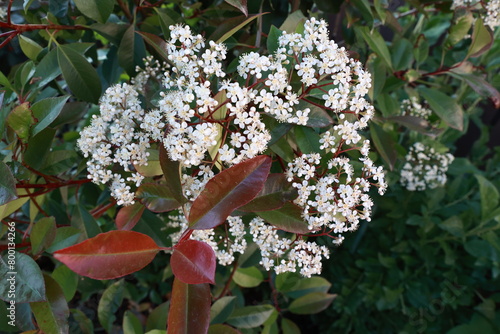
[(26, 5), (46, 111), (377, 71), (172, 174), (272, 39), (222, 309), (80, 76), (65, 236), (288, 218), (307, 139), (131, 51), (131, 324), (84, 323), (304, 286), (30, 48), (109, 303), (482, 39), (248, 277), (376, 43), (98, 10), (189, 308), (42, 235), (318, 117), (416, 124), (421, 50), (402, 54), (158, 43), (489, 197), (453, 225), (289, 327), (67, 279), (311, 303), (459, 30), (29, 284), (293, 21), (157, 198), (83, 220), (20, 119), (250, 316), (238, 27), (48, 69), (52, 315), (364, 7), (7, 185), (157, 319), (240, 4), (111, 31), (444, 106), (167, 17), (384, 144)]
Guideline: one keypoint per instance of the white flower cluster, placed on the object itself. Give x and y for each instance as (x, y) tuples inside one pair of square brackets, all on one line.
[(492, 16), (224, 246), (201, 129), (284, 254), (424, 168), (412, 107), (112, 138)]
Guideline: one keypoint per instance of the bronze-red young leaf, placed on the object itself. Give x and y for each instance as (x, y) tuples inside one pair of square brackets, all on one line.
[(109, 255), (193, 262), (227, 191)]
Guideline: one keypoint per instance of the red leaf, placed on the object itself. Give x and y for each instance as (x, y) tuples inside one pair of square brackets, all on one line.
[(128, 216), (227, 191), (189, 308), (193, 262), (240, 4), (109, 255)]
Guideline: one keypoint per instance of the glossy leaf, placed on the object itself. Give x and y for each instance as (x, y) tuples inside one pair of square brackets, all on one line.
[(304, 286), (480, 86), (7, 185), (307, 139), (109, 255), (128, 216), (46, 111), (157, 319), (43, 234), (28, 279), (80, 76), (384, 144), (193, 262), (21, 120), (248, 277), (416, 124), (272, 39), (84, 323), (189, 308), (52, 315), (276, 191), (376, 43), (227, 191), (111, 31), (158, 43), (131, 324), (445, 107), (489, 196), (98, 10), (172, 174), (482, 39), (238, 27), (289, 327), (240, 4), (67, 279), (402, 54), (250, 316), (222, 329), (288, 218), (293, 21), (131, 50), (222, 309), (65, 236), (311, 303), (109, 303), (157, 198), (30, 48), (459, 29), (318, 117)]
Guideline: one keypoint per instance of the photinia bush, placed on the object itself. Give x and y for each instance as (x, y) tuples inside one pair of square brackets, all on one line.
[(194, 166)]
